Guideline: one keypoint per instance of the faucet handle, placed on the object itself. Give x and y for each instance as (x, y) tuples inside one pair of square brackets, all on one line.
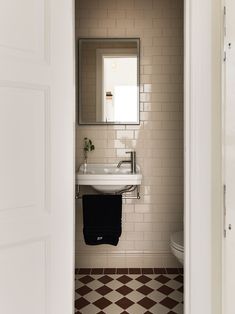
[(130, 152)]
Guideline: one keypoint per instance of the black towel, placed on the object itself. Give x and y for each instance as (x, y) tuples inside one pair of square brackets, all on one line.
[(102, 219)]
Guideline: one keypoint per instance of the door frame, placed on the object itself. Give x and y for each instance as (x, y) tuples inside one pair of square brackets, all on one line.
[(226, 146), (203, 22)]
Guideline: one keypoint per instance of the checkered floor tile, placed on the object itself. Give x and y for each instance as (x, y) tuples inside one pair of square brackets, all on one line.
[(124, 292)]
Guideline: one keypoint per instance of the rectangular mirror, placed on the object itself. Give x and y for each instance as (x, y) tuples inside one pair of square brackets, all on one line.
[(108, 76)]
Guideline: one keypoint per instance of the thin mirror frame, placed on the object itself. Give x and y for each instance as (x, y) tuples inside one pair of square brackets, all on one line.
[(79, 79)]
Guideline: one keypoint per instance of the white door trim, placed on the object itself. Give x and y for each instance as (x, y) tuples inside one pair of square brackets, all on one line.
[(228, 112), (202, 155)]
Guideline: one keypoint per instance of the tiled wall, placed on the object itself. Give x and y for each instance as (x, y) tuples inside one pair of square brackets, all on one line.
[(158, 140)]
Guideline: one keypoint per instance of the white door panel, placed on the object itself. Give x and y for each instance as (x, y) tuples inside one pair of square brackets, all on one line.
[(24, 29), (230, 158), (30, 262), (24, 118), (36, 156)]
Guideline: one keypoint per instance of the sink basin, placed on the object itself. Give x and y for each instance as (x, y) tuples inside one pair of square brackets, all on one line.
[(107, 178)]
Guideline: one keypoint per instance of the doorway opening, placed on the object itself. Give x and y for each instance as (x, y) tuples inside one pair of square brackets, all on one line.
[(145, 269)]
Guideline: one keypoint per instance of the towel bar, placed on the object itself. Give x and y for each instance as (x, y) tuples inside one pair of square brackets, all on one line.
[(128, 190)]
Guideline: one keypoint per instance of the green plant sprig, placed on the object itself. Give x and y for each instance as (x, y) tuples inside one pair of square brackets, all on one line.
[(88, 145)]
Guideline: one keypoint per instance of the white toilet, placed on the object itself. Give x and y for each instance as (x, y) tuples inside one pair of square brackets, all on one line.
[(177, 245)]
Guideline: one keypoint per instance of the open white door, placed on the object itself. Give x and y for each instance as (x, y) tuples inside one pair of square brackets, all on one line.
[(36, 156), (229, 160)]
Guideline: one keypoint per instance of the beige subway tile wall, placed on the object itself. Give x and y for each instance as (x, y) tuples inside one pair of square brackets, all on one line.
[(158, 140)]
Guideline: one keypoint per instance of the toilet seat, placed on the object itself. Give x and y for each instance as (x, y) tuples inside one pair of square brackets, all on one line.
[(177, 241)]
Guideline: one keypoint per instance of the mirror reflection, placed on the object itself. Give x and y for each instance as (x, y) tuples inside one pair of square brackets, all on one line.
[(108, 81)]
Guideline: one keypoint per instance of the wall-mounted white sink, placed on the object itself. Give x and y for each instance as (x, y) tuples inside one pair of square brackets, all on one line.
[(107, 178)]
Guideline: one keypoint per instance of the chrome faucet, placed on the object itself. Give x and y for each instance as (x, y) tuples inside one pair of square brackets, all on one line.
[(132, 161)]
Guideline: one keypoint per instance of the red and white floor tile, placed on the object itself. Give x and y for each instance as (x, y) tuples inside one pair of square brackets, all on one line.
[(121, 291)]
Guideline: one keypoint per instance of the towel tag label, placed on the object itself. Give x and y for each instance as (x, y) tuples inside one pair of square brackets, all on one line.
[(99, 238)]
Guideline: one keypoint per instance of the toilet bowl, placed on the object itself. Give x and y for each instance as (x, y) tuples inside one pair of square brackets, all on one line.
[(177, 245)]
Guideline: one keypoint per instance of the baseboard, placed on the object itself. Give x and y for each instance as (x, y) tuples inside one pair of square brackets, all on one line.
[(126, 259)]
